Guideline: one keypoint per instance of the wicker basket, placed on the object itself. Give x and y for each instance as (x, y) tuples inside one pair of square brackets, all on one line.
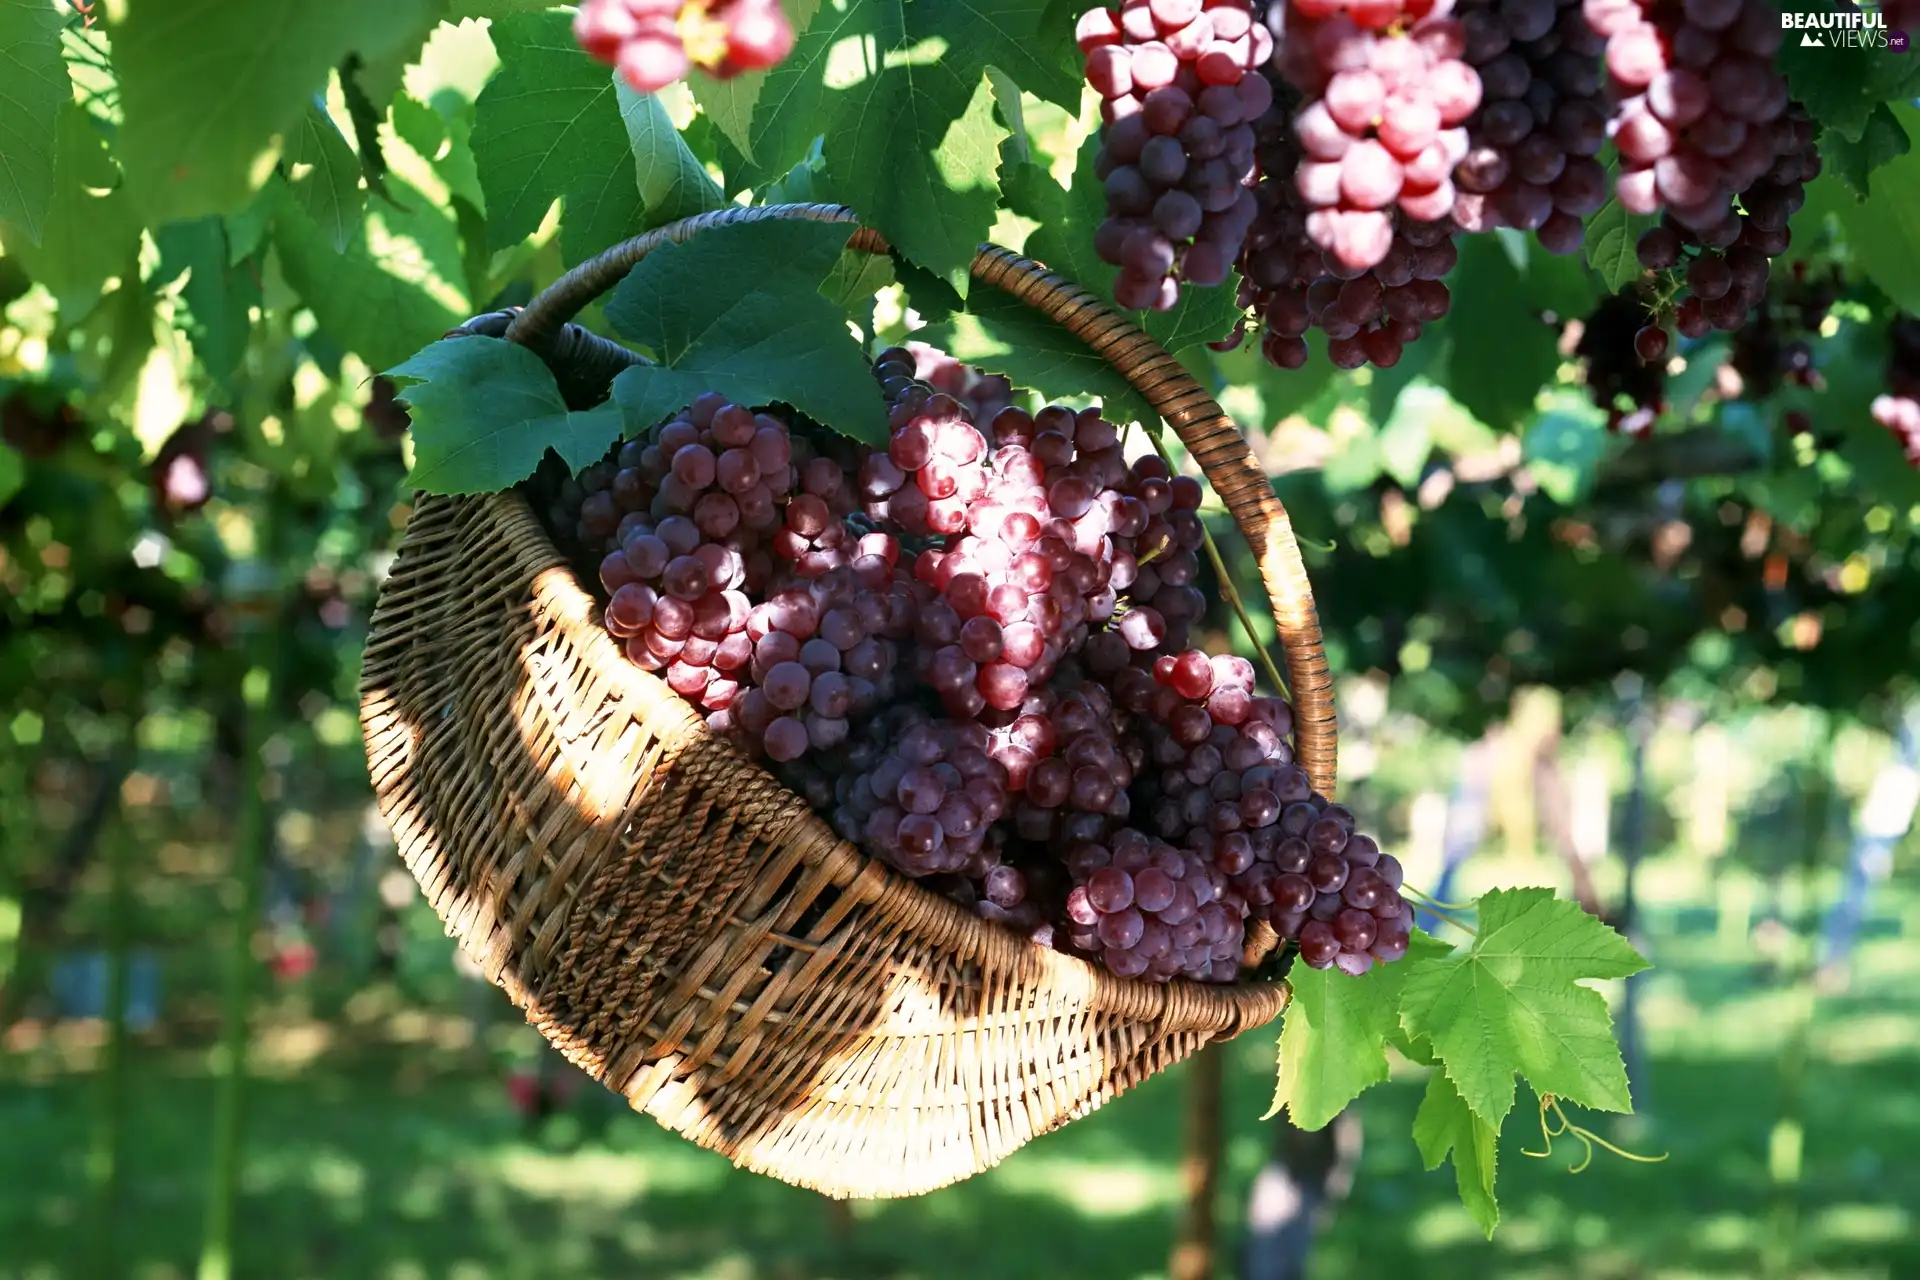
[(689, 932)]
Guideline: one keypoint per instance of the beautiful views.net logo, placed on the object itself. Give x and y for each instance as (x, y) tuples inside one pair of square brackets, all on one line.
[(1862, 28)]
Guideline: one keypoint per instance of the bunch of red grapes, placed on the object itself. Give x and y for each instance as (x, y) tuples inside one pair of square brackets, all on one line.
[(1178, 94), (1385, 96), (1706, 133), (1624, 358), (1898, 410), (1292, 285), (969, 650), (1541, 122), (1390, 126), (1775, 346), (656, 42)]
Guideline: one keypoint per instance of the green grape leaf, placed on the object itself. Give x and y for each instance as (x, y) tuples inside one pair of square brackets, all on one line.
[(87, 238), (1512, 1002), (1501, 354), (1334, 1035), (395, 289), (547, 127), (672, 183), (1445, 1126), (35, 74), (1003, 335), (899, 95), (1068, 218), (1612, 238), (218, 294), (729, 103), (739, 309), (1841, 84), (485, 411), (1883, 233), (324, 175), (1881, 142), (937, 215), (1563, 448), (212, 93)]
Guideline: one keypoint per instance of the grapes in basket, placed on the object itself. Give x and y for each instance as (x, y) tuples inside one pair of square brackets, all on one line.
[(970, 652)]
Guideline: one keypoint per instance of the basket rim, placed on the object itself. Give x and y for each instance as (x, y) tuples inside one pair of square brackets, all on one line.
[(1232, 1007)]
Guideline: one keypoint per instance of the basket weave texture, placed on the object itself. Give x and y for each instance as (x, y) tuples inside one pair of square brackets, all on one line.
[(692, 934)]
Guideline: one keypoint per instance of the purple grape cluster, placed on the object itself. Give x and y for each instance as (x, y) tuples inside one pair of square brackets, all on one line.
[(1775, 346), (1623, 354), (1542, 120), (1385, 95), (1148, 909), (923, 800), (1708, 136), (1291, 284), (1726, 265), (731, 572), (1176, 150), (1696, 97), (1223, 786), (968, 648)]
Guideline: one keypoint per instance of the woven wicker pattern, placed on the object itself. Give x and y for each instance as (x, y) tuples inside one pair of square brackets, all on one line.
[(686, 930)]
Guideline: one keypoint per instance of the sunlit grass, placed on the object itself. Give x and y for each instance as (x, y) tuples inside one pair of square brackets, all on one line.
[(390, 1148)]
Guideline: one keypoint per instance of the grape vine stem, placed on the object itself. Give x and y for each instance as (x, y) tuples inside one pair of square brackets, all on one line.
[(1551, 1115), (1445, 910)]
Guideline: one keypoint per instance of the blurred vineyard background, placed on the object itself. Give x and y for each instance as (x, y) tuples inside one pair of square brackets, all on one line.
[(1670, 676)]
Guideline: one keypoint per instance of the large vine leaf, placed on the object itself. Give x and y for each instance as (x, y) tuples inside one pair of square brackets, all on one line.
[(1333, 1040), (1512, 1002), (548, 128), (395, 289), (325, 176), (1445, 1126), (1883, 234), (88, 238), (485, 411), (1064, 241), (899, 95), (1841, 85), (35, 76), (1881, 141), (739, 310), (1501, 353), (672, 183), (211, 92)]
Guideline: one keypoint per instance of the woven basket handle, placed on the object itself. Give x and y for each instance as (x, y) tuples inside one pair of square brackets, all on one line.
[(1210, 436)]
